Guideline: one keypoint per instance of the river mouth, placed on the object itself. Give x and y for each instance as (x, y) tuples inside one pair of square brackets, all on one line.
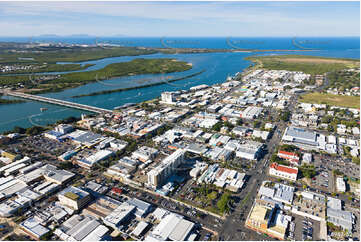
[(217, 67)]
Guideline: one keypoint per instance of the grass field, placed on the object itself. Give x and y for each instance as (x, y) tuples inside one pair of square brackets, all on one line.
[(330, 99), (308, 64)]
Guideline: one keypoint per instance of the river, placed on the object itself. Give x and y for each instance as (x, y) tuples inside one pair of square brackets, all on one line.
[(217, 67)]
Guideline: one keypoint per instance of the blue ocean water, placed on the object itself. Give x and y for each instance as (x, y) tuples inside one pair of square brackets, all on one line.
[(217, 67)]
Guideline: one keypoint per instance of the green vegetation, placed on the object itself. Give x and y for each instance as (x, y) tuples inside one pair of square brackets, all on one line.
[(35, 130), (356, 160), (309, 64), (71, 54), (54, 83), (344, 79), (223, 202), (308, 171), (280, 161), (146, 106), (289, 148), (217, 127), (337, 173), (285, 115), (330, 99)]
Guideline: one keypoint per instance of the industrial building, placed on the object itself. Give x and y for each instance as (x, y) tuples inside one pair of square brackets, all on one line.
[(121, 214), (33, 228), (171, 227), (300, 137), (82, 228)]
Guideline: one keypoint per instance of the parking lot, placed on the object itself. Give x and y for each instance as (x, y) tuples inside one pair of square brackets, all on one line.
[(322, 179), (305, 228), (333, 163)]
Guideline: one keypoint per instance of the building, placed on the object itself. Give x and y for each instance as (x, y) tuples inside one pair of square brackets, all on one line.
[(250, 150), (307, 158), (158, 175), (142, 208), (82, 228), (53, 174), (102, 207), (139, 230), (144, 153), (342, 218), (119, 215), (172, 227), (300, 137), (290, 156), (268, 220), (279, 192), (95, 158), (64, 128), (340, 184), (74, 197), (251, 112), (168, 97), (282, 171), (33, 228), (15, 166)]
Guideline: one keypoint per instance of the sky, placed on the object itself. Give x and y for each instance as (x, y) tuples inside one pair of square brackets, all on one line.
[(191, 19)]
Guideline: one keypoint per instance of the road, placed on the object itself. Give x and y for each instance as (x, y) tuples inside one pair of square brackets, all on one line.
[(233, 228)]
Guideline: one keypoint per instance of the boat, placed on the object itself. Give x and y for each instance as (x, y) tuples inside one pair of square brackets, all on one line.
[(43, 109)]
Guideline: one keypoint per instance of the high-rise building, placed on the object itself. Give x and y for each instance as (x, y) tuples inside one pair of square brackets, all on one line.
[(160, 173)]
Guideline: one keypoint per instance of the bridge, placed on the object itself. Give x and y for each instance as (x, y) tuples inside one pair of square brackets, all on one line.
[(59, 102)]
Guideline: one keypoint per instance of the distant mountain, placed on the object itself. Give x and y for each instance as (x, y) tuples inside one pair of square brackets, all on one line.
[(66, 36)]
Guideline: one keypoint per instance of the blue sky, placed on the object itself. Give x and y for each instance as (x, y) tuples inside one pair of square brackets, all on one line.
[(180, 18)]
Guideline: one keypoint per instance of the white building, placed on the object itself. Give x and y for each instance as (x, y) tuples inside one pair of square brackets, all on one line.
[(74, 197), (160, 173), (340, 184), (172, 227), (168, 97), (285, 172)]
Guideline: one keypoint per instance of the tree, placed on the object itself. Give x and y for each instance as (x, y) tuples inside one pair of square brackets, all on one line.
[(239, 121), (19, 130), (356, 160), (228, 125), (35, 130), (257, 124), (217, 127), (285, 116), (222, 203)]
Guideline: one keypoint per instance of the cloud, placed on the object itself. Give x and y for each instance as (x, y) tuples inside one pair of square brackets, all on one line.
[(150, 18)]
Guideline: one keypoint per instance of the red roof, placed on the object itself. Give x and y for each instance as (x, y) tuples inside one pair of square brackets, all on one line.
[(284, 168), (117, 190), (287, 153)]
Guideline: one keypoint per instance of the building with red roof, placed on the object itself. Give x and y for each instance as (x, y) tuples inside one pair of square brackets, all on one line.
[(290, 156), (285, 172)]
